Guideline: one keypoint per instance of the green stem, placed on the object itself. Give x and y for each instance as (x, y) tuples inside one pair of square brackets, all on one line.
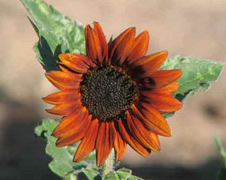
[(70, 177), (108, 164)]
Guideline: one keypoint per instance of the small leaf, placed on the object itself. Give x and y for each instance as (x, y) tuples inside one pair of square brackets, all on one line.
[(126, 174), (221, 150), (47, 125), (222, 173), (91, 174), (62, 163), (111, 176), (134, 178), (57, 33)]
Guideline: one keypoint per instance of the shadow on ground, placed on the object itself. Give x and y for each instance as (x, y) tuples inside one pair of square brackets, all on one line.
[(206, 171), (23, 158)]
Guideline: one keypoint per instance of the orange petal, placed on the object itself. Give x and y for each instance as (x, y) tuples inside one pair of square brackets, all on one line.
[(168, 89), (154, 137), (62, 96), (131, 140), (151, 63), (88, 142), (66, 108), (76, 133), (152, 119), (70, 122), (63, 80), (161, 102), (141, 133), (124, 48), (65, 69), (140, 47), (104, 143), (102, 40), (118, 40), (76, 62), (119, 144), (93, 46), (75, 136), (165, 77)]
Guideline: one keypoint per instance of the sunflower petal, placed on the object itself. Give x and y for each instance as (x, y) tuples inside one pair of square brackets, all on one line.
[(115, 43), (66, 108), (102, 41), (62, 96), (119, 143), (63, 80), (165, 77), (168, 89), (155, 139), (142, 135), (151, 63), (76, 62), (140, 47), (65, 69), (163, 103), (152, 119), (93, 46), (124, 48), (88, 142), (104, 143), (73, 121), (131, 140), (76, 133)]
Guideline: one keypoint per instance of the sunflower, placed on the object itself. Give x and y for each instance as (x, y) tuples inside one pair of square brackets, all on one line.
[(113, 96)]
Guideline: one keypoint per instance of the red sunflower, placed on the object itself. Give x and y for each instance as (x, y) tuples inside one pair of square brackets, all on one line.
[(113, 96)]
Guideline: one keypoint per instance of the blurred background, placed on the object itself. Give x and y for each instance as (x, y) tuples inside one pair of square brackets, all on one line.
[(190, 28)]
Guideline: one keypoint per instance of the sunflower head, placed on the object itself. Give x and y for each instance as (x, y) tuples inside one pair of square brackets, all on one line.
[(113, 96)]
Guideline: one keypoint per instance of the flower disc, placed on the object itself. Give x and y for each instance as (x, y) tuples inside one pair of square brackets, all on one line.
[(107, 93)]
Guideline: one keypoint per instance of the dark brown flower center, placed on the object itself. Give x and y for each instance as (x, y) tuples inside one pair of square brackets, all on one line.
[(107, 92)]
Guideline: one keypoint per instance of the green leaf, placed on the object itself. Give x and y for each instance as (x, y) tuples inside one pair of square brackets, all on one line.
[(132, 177), (111, 176), (62, 163), (197, 74), (57, 33), (47, 126), (126, 174), (222, 173), (91, 174), (70, 177), (221, 150)]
